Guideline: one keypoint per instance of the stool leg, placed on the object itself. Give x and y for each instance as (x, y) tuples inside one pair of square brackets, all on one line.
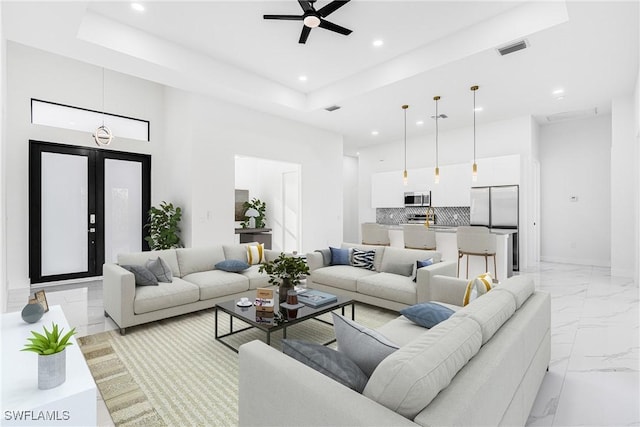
[(467, 266), (459, 256), (486, 265)]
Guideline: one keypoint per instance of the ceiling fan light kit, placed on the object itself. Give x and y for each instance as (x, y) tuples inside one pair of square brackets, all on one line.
[(312, 18)]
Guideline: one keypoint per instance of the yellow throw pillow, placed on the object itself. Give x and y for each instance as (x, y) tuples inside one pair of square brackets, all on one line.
[(255, 254), (477, 287)]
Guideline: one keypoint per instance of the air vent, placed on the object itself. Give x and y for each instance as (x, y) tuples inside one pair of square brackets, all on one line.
[(571, 115), (333, 108), (513, 47), (441, 116)]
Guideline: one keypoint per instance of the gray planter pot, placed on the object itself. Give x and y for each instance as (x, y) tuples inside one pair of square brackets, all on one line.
[(52, 370)]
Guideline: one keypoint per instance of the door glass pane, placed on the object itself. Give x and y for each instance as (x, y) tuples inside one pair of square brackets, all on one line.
[(64, 214), (122, 208)]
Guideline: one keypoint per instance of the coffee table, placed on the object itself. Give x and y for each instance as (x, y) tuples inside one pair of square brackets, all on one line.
[(288, 318)]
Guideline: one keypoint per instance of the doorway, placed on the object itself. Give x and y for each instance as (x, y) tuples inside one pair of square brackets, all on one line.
[(85, 206)]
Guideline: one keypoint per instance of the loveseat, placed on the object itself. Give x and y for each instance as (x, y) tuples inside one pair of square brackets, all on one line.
[(482, 366), (196, 283), (390, 284)]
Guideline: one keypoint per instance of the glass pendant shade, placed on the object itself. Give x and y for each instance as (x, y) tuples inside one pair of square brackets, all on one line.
[(437, 175)]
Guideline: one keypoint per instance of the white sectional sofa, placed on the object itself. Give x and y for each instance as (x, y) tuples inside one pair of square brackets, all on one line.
[(196, 283), (481, 367), (380, 287)]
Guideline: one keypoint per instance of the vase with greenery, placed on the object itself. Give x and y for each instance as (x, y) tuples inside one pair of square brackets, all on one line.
[(286, 272), (52, 362), (164, 230), (260, 207)]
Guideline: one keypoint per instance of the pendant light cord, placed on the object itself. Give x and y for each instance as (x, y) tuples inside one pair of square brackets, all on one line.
[(405, 137), (437, 97), (474, 125), (102, 96)]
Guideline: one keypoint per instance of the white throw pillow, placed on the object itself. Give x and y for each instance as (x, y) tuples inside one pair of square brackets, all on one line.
[(255, 254), (477, 287)]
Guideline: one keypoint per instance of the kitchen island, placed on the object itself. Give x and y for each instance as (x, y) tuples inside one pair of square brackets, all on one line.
[(447, 245)]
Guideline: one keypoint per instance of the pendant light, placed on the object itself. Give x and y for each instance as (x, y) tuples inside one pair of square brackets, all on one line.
[(474, 175), (103, 135), (405, 177), (437, 173)]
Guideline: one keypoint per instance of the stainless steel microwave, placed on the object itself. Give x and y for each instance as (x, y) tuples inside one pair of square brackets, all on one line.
[(417, 199)]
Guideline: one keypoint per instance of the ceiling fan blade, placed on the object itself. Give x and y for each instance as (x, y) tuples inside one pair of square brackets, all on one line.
[(306, 5), (333, 27), (305, 34), (331, 7), (284, 17)]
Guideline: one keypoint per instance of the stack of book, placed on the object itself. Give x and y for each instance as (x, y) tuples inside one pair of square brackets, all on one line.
[(315, 298), (264, 304)]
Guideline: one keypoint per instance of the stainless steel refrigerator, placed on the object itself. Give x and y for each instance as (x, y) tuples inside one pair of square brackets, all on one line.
[(497, 207)]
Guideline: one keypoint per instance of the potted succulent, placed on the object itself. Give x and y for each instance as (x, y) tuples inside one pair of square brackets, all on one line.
[(286, 272), (164, 232), (52, 361)]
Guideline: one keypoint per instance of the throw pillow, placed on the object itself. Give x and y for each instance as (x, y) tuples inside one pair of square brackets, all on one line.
[(401, 269), (142, 275), (255, 254), (326, 256), (363, 259), (232, 265), (366, 347), (477, 287), (328, 361), (420, 264), (160, 269), (427, 314), (339, 256)]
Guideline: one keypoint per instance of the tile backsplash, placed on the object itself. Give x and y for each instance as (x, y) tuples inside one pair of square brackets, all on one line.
[(449, 215)]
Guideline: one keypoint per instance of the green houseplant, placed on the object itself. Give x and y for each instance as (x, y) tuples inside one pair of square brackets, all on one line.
[(285, 271), (50, 348), (260, 207), (164, 231)]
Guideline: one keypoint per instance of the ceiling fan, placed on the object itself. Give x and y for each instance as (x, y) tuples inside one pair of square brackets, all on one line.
[(313, 18)]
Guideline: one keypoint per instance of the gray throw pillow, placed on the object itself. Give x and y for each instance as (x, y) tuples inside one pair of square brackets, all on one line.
[(326, 360), (366, 347), (326, 256), (401, 269), (143, 276), (160, 269), (232, 265), (427, 314)]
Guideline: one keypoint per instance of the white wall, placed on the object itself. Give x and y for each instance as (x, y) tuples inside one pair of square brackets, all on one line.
[(3, 243), (574, 161), (33, 73), (624, 190), (636, 114), (350, 223)]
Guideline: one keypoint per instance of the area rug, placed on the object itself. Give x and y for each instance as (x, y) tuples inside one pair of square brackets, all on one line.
[(174, 373)]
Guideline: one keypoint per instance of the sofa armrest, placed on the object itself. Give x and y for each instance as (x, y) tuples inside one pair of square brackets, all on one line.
[(448, 289), (118, 292), (425, 275), (271, 254), (277, 390), (314, 260)]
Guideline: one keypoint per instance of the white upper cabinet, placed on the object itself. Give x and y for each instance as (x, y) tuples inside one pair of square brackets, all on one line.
[(387, 190), (453, 189)]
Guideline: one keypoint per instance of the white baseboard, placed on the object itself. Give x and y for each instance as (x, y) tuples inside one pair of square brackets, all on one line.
[(578, 261)]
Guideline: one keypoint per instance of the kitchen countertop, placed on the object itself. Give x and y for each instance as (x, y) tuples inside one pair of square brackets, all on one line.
[(453, 229)]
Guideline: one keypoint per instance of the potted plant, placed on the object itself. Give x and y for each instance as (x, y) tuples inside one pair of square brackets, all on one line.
[(286, 272), (163, 227), (50, 348), (257, 219)]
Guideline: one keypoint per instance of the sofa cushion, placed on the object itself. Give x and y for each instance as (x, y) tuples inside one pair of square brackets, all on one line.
[(407, 380), (235, 251), (340, 256), (160, 269), (218, 283), (340, 276), (519, 286), (392, 287), (490, 311), (256, 279), (141, 258), (232, 265), (366, 347), (401, 269), (363, 259), (406, 256), (143, 276), (377, 260), (193, 260), (328, 361), (401, 330), (165, 295), (427, 314)]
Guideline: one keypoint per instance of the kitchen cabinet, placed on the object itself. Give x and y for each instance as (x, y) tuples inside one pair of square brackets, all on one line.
[(453, 189), (387, 190)]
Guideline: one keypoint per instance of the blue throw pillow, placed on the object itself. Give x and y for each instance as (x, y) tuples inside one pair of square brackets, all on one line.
[(339, 256), (420, 264), (232, 265), (427, 314)]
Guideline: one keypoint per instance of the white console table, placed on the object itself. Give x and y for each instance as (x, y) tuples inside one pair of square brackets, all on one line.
[(73, 403)]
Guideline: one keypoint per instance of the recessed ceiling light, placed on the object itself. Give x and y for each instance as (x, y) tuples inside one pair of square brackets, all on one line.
[(374, 132), (478, 109), (420, 122), (378, 43), (558, 92), (302, 78), (357, 153), (137, 7)]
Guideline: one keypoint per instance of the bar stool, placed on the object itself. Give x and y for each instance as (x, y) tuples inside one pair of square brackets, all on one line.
[(476, 241), (417, 236), (374, 234)]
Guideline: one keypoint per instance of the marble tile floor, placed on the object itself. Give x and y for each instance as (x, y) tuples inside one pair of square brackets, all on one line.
[(594, 374)]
